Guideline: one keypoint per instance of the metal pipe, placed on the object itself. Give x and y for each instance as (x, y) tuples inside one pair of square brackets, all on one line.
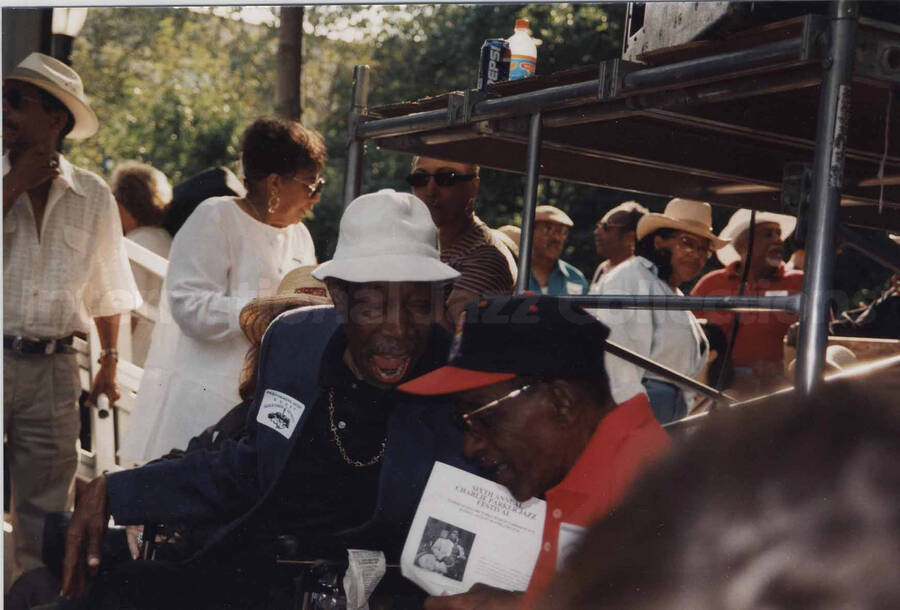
[(790, 303), (828, 167), (532, 176), (359, 101), (672, 375), (862, 244), (723, 63)]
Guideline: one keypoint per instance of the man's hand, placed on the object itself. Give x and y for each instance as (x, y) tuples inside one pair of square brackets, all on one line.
[(84, 539), (105, 382), (480, 596), (134, 535), (33, 168)]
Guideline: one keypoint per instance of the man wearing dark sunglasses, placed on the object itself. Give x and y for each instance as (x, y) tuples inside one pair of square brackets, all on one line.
[(533, 399), (64, 262), (467, 244)]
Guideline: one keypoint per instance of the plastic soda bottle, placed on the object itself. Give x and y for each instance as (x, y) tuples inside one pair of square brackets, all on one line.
[(523, 52)]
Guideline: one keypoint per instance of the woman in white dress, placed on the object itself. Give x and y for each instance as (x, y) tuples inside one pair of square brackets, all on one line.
[(230, 251), (672, 249)]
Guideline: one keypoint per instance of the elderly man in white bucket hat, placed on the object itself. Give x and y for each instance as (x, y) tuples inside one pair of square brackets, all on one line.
[(758, 351), (332, 454), (672, 249), (64, 262)]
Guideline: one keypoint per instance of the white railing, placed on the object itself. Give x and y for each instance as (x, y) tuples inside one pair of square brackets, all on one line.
[(108, 432)]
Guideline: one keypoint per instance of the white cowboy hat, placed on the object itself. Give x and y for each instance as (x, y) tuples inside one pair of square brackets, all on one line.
[(386, 237), (740, 222), (686, 215), (63, 83), (549, 213)]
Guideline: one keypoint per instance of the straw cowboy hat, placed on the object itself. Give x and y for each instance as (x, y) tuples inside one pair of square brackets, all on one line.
[(297, 289), (63, 83), (549, 213), (386, 237), (740, 222), (686, 215)]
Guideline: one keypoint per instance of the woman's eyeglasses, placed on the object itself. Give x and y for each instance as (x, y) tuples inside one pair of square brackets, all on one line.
[(314, 188), (688, 245), (16, 99), (464, 420), (441, 178)]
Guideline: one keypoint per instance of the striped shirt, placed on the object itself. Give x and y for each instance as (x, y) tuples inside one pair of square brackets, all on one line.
[(486, 265)]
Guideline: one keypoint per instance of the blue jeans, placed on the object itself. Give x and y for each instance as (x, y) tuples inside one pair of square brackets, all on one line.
[(666, 400)]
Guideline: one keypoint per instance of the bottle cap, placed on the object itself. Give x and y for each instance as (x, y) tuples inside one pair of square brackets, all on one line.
[(522, 24)]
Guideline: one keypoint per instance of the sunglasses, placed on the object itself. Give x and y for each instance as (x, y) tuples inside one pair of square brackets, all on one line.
[(444, 177), (464, 420), (315, 188), (16, 99)]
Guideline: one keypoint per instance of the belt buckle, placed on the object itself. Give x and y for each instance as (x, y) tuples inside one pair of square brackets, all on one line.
[(50, 348), (17, 343)]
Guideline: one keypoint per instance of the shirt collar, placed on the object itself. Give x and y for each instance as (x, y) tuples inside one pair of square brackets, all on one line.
[(734, 271), (615, 426), (65, 173)]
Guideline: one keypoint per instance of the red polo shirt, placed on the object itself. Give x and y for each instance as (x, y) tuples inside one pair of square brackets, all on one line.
[(625, 441), (761, 333)]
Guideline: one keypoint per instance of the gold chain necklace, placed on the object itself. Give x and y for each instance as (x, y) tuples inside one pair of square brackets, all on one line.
[(340, 446)]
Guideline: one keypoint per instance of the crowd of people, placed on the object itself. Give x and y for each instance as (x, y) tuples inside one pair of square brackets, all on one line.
[(283, 396)]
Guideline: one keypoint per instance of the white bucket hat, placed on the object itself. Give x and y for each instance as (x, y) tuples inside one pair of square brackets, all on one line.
[(63, 83), (386, 237), (740, 222), (683, 215)]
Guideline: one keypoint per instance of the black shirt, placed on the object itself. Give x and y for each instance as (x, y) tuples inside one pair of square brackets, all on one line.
[(320, 493)]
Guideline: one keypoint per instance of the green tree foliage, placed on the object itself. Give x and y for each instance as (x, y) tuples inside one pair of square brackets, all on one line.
[(172, 87)]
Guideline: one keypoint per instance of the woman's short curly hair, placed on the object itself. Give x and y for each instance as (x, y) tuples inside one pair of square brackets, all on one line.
[(273, 145), (143, 190)]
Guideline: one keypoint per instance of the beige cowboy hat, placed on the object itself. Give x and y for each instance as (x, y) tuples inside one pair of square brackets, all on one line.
[(297, 289), (686, 215), (386, 237), (894, 238), (740, 222), (550, 213), (63, 83)]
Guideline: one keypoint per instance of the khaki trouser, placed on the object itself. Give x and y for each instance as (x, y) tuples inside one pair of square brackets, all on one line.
[(40, 417)]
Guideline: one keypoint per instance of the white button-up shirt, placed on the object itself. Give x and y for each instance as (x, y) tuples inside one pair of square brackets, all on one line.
[(77, 269), (672, 338)]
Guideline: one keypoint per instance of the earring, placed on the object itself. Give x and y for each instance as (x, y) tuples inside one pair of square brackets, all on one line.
[(274, 202)]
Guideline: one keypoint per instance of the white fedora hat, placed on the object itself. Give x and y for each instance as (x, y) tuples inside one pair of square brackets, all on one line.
[(740, 222), (386, 237), (63, 83), (683, 215)]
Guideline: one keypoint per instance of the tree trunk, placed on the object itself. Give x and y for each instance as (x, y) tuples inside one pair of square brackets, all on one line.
[(290, 54)]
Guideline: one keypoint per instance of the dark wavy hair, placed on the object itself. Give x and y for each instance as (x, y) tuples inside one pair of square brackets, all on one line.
[(272, 145), (662, 257)]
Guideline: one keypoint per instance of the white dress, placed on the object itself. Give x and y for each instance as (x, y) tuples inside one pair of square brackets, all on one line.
[(220, 259), (158, 241)]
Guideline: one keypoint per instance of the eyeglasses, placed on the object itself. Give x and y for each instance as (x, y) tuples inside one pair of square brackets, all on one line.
[(15, 99), (687, 245), (314, 188), (464, 420), (548, 228), (442, 177)]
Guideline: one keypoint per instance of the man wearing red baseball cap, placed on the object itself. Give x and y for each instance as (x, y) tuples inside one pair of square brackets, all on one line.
[(533, 397)]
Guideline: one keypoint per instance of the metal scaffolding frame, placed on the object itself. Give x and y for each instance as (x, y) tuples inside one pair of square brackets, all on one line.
[(833, 112)]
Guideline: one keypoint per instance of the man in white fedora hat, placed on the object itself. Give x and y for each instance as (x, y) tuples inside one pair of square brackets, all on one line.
[(758, 350), (64, 262), (549, 273), (332, 455)]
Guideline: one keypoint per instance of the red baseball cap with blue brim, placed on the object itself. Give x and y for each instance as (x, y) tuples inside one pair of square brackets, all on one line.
[(525, 335)]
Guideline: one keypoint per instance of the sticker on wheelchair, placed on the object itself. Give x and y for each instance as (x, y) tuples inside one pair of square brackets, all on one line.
[(280, 412)]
